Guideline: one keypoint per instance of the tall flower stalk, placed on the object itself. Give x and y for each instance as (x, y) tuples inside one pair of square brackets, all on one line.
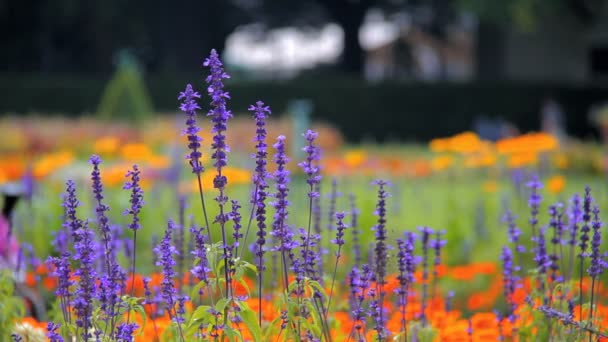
[(380, 258), (189, 106), (313, 177), (219, 117), (137, 202), (258, 198)]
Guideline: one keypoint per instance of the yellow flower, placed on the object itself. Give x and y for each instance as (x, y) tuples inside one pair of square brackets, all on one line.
[(556, 184), (355, 158), (440, 163), (106, 145)]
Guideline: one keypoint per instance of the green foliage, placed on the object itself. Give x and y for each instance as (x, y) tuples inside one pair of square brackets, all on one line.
[(11, 306), (125, 96)]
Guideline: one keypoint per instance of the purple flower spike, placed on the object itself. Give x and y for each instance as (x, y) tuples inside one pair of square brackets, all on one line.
[(165, 250), (219, 115), (259, 195), (585, 229), (52, 333), (189, 106), (341, 226), (381, 257), (309, 166), (281, 204), (137, 197), (597, 263), (534, 201)]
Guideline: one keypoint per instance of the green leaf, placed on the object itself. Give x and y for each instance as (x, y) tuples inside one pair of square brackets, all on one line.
[(250, 320)]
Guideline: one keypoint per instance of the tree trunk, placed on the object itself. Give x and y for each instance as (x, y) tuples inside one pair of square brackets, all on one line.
[(350, 15)]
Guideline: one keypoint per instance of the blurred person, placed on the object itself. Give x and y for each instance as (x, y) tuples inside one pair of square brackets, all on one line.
[(552, 118)]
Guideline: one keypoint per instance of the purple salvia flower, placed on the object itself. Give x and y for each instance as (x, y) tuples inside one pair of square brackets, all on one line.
[(52, 333), (340, 227), (137, 197), (339, 241), (165, 251), (585, 229), (181, 309), (219, 115), (125, 331), (354, 215), (407, 265), (542, 260), (574, 219), (84, 294), (381, 255), (147, 292), (71, 223), (100, 208), (425, 237), (555, 222), (437, 244), (509, 279), (281, 203), (310, 164), (201, 269), (110, 282), (309, 256), (597, 262), (534, 202), (259, 179), (62, 269), (513, 231), (235, 215), (189, 107)]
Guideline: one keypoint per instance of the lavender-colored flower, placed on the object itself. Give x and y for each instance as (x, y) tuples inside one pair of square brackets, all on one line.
[(437, 244), (165, 251), (16, 337), (597, 263), (281, 203), (425, 238), (52, 333), (513, 231), (201, 268), (341, 226), (125, 331), (259, 180), (585, 229), (310, 258), (534, 201), (100, 208), (407, 265), (70, 203), (84, 294), (354, 215), (575, 216), (219, 115), (62, 269), (309, 165), (235, 215), (381, 254), (556, 224), (508, 278), (189, 107), (137, 197)]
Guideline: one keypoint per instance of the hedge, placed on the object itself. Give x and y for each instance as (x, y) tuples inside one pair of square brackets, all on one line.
[(381, 111)]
